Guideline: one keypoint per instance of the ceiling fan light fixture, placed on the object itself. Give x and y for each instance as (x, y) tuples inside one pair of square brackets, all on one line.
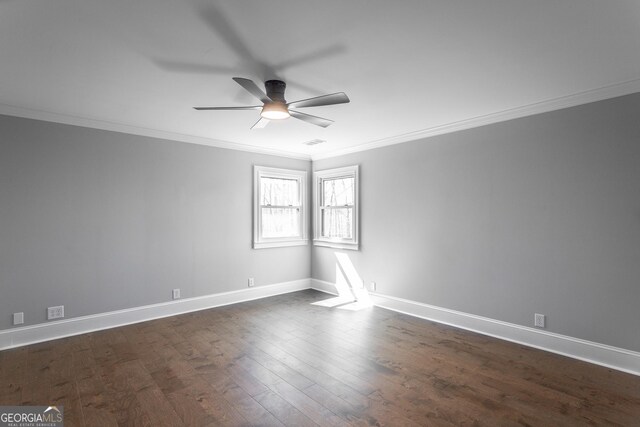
[(275, 111), (275, 107)]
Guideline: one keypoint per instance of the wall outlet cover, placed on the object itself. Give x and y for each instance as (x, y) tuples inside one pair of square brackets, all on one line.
[(56, 312), (176, 294), (250, 282), (539, 320), (18, 318)]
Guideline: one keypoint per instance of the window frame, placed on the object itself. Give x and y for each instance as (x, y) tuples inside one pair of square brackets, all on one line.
[(260, 242), (319, 177)]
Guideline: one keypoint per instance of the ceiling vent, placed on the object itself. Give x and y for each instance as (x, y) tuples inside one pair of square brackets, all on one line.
[(314, 142)]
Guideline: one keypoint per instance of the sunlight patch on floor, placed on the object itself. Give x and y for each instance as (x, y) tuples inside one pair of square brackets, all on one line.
[(355, 306), (352, 294), (334, 302)]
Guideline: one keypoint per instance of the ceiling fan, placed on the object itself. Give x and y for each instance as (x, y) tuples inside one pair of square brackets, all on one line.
[(275, 107)]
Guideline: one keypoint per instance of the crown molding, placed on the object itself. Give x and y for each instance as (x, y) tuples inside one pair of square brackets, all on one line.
[(47, 116), (593, 95), (580, 98)]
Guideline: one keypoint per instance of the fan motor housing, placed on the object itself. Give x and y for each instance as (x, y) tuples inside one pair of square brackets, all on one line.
[(275, 90)]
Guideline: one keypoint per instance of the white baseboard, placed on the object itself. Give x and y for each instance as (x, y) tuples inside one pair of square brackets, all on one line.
[(20, 336), (601, 354), (588, 351), (322, 286)]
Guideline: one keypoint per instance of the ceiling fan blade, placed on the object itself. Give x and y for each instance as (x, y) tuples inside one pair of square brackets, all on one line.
[(253, 89), (318, 121), (191, 67), (229, 32), (311, 56), (260, 123), (318, 101), (255, 107)]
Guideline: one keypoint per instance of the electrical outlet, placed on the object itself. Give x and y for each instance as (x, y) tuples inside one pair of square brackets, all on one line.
[(539, 320), (176, 294), (56, 312), (373, 286), (18, 318), (250, 283)]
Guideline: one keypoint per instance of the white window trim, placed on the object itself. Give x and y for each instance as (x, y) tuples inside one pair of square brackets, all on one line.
[(263, 243), (318, 177)]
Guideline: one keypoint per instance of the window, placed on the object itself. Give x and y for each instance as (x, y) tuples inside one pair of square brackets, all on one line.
[(279, 207), (336, 208)]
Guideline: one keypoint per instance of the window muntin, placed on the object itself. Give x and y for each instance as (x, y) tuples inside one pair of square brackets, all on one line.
[(276, 191), (279, 218), (336, 195)]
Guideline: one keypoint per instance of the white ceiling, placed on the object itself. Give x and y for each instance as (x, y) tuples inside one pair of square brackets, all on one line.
[(411, 67)]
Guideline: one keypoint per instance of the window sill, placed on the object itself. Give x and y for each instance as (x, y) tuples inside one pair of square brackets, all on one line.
[(337, 245), (280, 244)]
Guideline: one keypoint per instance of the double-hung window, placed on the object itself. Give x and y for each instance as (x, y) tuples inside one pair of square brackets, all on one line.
[(279, 217), (336, 208)]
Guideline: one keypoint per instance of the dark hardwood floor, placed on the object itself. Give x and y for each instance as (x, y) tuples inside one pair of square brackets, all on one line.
[(282, 361)]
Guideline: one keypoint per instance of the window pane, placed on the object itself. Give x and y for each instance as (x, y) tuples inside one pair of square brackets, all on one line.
[(280, 222), (338, 191), (279, 192), (336, 223)]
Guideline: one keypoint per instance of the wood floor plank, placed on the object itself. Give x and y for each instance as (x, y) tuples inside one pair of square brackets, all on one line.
[(250, 384), (214, 403), (305, 404), (272, 364), (519, 393), (65, 393), (13, 365), (158, 408), (96, 402), (249, 408), (338, 388), (189, 409), (405, 371), (283, 411), (339, 406), (283, 361), (394, 370), (307, 352)]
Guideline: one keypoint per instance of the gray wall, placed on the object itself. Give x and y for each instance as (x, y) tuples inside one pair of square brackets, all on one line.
[(99, 221), (539, 214)]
